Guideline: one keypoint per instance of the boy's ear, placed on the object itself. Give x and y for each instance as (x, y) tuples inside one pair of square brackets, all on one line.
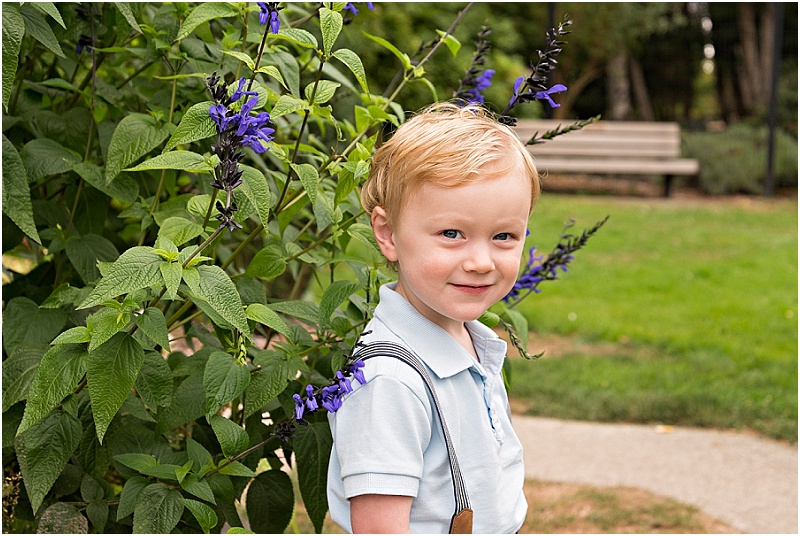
[(383, 233)]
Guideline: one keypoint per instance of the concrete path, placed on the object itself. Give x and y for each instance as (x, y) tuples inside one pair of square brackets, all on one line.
[(744, 480)]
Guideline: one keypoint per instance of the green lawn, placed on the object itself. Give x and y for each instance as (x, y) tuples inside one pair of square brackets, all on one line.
[(701, 297)]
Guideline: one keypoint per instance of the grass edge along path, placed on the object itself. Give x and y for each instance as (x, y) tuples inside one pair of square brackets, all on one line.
[(698, 300)]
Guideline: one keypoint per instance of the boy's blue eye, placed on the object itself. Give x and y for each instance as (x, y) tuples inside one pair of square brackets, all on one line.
[(502, 236), (450, 233)]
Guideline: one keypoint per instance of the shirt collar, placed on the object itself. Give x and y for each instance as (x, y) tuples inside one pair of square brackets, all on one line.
[(434, 346)]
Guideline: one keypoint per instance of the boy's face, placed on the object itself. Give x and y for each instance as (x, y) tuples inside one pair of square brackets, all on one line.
[(458, 249)]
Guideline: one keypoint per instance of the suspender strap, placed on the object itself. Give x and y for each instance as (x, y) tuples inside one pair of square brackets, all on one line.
[(462, 518)]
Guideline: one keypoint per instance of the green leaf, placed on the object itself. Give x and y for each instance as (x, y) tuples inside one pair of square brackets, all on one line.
[(213, 285), (353, 62), (304, 310), (137, 461), (37, 27), (268, 263), (179, 230), (205, 12), (158, 510), (312, 447), (287, 104), (113, 368), (202, 513), (195, 125), (402, 56), (137, 268), (325, 91), (127, 12), (154, 383), (239, 530), (19, 371), (198, 487), (256, 189), (50, 9), (185, 160), (76, 335), (62, 518), (274, 73), (198, 454), (16, 194), (298, 36), (450, 42), (130, 495), (270, 502), (334, 295), (43, 450), (85, 251), (27, 325), (264, 315), (223, 379), (13, 32), (135, 136), (232, 437), (268, 382), (97, 511), (172, 272), (241, 56), (363, 233), (154, 325), (60, 371), (188, 403), (309, 178), (44, 157), (104, 324), (331, 25), (237, 469), (121, 187)]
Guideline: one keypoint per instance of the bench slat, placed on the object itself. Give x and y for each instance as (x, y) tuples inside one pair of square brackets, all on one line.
[(683, 166)]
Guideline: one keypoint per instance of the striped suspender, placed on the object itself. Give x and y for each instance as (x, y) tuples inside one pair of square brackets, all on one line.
[(462, 518)]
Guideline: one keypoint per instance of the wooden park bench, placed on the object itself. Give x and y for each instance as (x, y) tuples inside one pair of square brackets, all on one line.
[(610, 148)]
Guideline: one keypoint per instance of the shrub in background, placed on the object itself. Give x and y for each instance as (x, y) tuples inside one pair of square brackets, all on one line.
[(735, 161)]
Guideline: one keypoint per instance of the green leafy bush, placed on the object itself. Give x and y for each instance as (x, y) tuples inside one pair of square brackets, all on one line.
[(152, 354), (735, 161)]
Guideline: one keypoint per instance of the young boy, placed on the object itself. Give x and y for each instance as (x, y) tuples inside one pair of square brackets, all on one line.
[(449, 198)]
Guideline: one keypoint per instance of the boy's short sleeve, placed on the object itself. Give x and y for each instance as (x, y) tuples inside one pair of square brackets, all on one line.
[(380, 433)]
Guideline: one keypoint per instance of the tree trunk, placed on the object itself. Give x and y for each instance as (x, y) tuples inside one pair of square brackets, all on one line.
[(751, 73), (618, 92), (640, 93)]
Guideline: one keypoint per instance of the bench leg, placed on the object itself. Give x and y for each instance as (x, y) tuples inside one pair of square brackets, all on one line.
[(667, 185)]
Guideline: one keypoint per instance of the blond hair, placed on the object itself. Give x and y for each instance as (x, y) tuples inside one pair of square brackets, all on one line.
[(446, 145)]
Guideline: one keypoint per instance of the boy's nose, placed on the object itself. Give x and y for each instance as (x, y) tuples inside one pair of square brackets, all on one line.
[(479, 259)]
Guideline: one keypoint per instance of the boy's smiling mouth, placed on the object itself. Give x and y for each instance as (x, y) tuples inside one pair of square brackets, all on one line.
[(471, 289)]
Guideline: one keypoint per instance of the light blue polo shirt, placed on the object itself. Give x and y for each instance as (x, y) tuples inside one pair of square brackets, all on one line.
[(386, 440)]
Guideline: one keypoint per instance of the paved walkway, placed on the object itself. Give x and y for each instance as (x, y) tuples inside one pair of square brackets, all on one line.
[(746, 481)]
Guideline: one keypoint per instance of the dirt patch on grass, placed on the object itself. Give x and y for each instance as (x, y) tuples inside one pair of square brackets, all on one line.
[(578, 509)]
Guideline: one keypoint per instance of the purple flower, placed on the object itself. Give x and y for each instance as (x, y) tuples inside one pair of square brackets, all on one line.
[(311, 400), (299, 407), (240, 91), (517, 85), (331, 398), (545, 95), (269, 13), (358, 374), (351, 7), (344, 383)]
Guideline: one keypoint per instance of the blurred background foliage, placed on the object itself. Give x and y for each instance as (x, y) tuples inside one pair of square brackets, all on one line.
[(664, 61)]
